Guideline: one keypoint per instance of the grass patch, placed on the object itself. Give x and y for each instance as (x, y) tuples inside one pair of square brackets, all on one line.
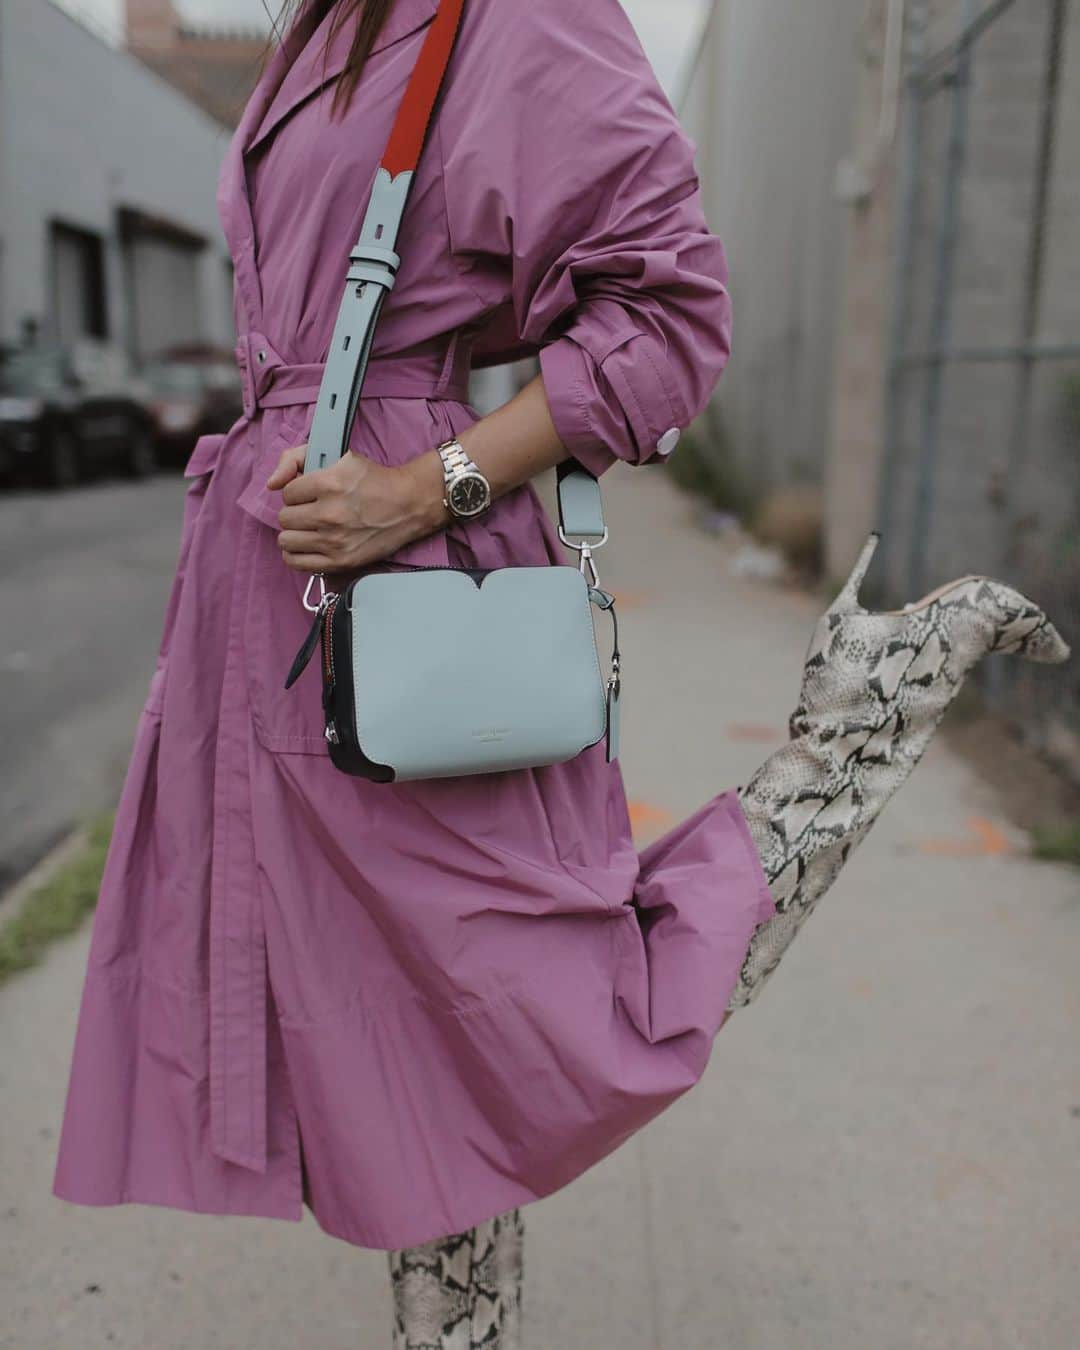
[(1060, 843), (58, 906)]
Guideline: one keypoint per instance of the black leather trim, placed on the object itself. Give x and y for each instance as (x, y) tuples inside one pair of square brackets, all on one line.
[(339, 703)]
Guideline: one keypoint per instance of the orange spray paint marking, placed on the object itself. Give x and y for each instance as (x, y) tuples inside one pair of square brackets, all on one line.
[(645, 817), (754, 731), (631, 599), (992, 838), (984, 840)]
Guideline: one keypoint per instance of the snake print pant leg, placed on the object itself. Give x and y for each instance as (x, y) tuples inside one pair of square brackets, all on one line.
[(461, 1292)]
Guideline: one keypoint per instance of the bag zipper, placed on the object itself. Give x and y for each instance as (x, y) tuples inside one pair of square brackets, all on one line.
[(327, 645), (331, 732)]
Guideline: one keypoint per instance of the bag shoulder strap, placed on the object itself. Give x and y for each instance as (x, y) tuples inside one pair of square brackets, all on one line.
[(373, 266), (373, 263)]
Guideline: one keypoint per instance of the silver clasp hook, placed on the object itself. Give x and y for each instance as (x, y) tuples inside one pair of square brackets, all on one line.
[(324, 595), (586, 549)]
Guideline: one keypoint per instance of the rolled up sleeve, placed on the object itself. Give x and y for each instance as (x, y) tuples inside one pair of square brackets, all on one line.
[(574, 205)]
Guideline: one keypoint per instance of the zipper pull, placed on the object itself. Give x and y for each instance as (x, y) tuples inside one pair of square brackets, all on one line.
[(606, 601), (614, 689), (307, 651)]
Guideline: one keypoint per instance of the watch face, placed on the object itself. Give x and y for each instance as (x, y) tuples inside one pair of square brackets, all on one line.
[(469, 495)]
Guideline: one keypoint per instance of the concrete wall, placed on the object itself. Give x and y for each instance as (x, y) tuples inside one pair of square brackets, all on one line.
[(992, 482), (770, 108), (84, 131), (856, 427), (975, 500), (966, 476)]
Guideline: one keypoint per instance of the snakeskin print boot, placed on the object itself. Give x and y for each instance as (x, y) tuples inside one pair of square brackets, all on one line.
[(874, 689), (461, 1292)]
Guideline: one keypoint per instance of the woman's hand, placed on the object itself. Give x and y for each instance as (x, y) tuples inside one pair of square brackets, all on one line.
[(355, 512), (358, 512)]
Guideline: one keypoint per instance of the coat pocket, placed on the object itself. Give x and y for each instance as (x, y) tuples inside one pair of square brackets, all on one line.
[(289, 721), (280, 431), (204, 456)]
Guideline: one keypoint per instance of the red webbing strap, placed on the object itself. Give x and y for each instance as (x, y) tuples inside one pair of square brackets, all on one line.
[(411, 124)]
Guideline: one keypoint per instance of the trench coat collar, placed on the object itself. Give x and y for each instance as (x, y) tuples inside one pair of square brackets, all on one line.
[(319, 65), (261, 117)]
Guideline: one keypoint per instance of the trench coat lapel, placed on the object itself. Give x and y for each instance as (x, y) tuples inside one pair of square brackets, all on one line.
[(319, 65), (269, 105), (234, 206)]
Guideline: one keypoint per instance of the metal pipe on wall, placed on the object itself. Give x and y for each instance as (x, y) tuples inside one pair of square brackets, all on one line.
[(941, 312), (1033, 281), (909, 201)]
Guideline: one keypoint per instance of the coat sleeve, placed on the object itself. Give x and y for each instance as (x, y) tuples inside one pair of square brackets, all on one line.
[(574, 209)]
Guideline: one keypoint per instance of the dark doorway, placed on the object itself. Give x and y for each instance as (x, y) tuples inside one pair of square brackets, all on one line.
[(79, 307)]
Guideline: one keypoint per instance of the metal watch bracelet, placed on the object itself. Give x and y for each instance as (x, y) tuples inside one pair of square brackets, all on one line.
[(468, 492)]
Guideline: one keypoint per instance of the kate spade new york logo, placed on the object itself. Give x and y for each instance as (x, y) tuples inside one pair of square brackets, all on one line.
[(491, 733)]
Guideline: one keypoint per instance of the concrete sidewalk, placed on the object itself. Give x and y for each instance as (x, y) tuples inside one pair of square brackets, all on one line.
[(883, 1152)]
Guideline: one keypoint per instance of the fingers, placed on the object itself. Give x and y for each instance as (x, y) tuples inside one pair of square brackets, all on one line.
[(289, 466), (325, 550), (305, 542), (307, 562), (309, 516), (311, 550), (307, 487)]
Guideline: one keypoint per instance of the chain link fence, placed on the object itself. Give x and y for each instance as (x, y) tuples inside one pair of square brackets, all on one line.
[(981, 468)]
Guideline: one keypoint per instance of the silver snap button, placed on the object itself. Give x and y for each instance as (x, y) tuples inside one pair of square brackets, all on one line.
[(262, 357), (668, 441)]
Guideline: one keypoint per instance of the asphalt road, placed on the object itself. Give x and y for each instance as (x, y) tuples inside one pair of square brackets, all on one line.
[(882, 1153), (84, 578)]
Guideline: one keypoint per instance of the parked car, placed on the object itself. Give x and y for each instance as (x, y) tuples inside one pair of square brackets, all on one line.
[(194, 393), (68, 412)]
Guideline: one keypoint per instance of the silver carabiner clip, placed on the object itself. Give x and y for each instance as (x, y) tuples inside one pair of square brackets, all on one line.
[(591, 575), (314, 609), (586, 565)]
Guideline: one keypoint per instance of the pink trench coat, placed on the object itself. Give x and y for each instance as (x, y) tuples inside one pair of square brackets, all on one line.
[(458, 994)]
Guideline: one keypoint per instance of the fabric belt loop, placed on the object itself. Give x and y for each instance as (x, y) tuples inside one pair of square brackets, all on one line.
[(247, 377)]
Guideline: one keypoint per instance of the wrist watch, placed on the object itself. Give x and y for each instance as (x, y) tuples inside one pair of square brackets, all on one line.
[(468, 492)]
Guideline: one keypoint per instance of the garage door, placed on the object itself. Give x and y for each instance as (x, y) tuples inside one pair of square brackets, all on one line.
[(164, 279)]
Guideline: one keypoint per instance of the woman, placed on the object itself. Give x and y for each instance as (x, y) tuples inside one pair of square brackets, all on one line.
[(415, 1007)]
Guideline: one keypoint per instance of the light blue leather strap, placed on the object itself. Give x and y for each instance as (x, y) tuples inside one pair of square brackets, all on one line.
[(581, 508), (373, 268)]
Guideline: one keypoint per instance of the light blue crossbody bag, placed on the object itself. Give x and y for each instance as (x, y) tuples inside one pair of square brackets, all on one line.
[(440, 671)]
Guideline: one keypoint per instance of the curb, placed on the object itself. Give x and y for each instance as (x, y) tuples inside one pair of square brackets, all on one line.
[(43, 870)]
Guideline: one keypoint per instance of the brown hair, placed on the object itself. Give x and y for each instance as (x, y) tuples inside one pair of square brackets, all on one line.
[(372, 16)]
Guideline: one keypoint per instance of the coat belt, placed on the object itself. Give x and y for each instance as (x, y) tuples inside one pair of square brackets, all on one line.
[(438, 371)]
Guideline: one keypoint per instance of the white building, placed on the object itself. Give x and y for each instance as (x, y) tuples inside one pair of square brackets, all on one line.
[(108, 221)]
